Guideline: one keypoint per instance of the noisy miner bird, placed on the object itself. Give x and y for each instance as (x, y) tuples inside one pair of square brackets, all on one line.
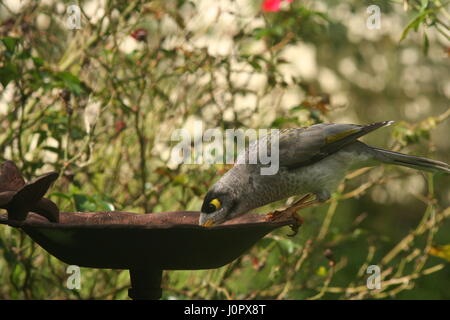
[(312, 161)]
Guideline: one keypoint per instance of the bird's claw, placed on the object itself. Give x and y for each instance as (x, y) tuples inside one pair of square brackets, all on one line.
[(296, 225), (291, 212)]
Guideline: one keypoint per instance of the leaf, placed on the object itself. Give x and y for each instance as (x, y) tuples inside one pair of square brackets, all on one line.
[(25, 54), (60, 195), (8, 254), (86, 203), (53, 149), (180, 179), (288, 245), (414, 23), (17, 274), (10, 43), (298, 108), (321, 271), (71, 82), (441, 251), (426, 44), (38, 62), (77, 133), (42, 136), (266, 242), (424, 5), (105, 205), (83, 203), (8, 73), (280, 121), (254, 64), (260, 33)]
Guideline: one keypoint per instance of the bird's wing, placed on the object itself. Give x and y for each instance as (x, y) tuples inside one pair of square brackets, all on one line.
[(304, 146)]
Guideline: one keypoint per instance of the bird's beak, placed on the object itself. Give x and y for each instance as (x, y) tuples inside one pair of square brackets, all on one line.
[(208, 223)]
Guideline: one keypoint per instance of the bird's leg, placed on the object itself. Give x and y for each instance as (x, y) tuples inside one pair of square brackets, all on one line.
[(292, 209), (291, 212), (275, 215)]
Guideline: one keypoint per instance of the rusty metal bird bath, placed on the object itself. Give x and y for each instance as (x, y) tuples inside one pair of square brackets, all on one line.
[(145, 244)]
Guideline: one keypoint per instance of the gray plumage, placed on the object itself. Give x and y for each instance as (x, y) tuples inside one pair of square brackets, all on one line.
[(312, 160)]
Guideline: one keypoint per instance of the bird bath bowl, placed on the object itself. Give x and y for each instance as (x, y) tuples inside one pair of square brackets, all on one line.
[(145, 244)]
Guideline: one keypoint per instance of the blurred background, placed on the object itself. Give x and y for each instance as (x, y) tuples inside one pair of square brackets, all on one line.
[(95, 92)]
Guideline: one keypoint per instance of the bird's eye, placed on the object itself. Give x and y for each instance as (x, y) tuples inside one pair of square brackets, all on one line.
[(216, 203), (213, 205)]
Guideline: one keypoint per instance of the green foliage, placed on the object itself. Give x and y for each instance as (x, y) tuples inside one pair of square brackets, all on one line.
[(426, 16)]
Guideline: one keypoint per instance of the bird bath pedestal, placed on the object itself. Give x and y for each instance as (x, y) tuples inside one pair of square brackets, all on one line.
[(144, 244)]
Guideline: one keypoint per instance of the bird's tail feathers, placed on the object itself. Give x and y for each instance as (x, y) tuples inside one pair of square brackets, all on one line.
[(401, 159)]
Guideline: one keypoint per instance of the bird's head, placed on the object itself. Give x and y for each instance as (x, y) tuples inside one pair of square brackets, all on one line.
[(218, 206)]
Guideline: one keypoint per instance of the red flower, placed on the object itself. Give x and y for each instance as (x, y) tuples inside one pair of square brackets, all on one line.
[(139, 34), (273, 5), (120, 125)]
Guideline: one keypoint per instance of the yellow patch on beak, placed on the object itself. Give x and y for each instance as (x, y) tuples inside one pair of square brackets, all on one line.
[(208, 223)]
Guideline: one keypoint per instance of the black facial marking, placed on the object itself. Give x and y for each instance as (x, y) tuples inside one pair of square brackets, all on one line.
[(225, 199), (208, 208)]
